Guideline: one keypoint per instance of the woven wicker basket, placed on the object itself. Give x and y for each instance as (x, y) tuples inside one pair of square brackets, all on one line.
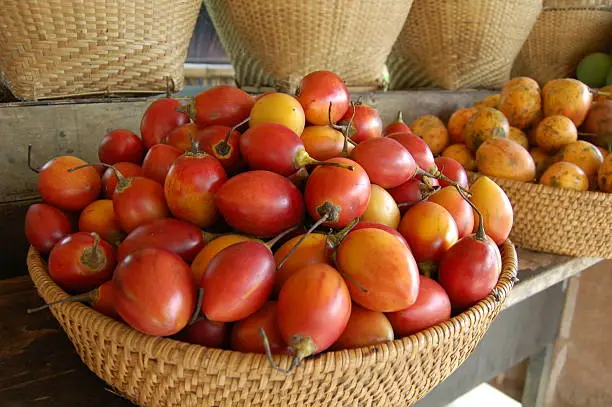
[(273, 43), (461, 44), (552, 50), (51, 49), (163, 372), (556, 220)]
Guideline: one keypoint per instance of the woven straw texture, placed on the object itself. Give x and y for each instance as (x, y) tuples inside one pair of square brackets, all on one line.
[(556, 220), (552, 50), (274, 43), (162, 372), (63, 48), (461, 44)]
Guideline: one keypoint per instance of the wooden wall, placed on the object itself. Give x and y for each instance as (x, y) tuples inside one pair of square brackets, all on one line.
[(76, 128)]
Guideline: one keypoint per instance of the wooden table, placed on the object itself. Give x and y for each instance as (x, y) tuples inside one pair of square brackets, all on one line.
[(38, 366)]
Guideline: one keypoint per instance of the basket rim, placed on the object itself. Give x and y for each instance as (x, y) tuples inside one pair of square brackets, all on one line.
[(545, 189), (198, 357)]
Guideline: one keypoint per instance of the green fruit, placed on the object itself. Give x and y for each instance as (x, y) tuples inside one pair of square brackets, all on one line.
[(593, 69)]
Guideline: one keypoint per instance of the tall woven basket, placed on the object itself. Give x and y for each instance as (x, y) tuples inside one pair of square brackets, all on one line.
[(163, 372), (461, 44), (566, 31), (273, 43), (561, 221), (51, 49)]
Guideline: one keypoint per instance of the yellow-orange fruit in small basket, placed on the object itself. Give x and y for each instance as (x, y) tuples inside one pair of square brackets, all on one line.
[(554, 132), (485, 124), (504, 158), (565, 175)]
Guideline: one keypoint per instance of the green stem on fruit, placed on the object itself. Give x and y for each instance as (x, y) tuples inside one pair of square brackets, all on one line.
[(36, 170), (302, 159), (223, 148), (428, 269), (334, 240), (188, 109), (122, 182), (87, 297), (274, 241), (209, 237), (347, 131), (196, 313), (400, 118), (598, 92), (275, 366), (194, 150), (435, 173), (299, 242), (93, 257), (480, 232)]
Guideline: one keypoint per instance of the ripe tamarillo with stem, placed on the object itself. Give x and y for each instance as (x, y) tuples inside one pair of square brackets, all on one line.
[(314, 307), (398, 126), (274, 147), (495, 207), (99, 217), (102, 299), (245, 334), (59, 187), (469, 270), (154, 292), (411, 192), (432, 307), (159, 119), (361, 122), (317, 91), (109, 180), (260, 203), (418, 149), (45, 225), (158, 161), (136, 200), (190, 187), (121, 146), (223, 143), (239, 280), (221, 105), (364, 328), (181, 136), (386, 161), (82, 261), (380, 271), (179, 237), (336, 195), (323, 142), (206, 333)]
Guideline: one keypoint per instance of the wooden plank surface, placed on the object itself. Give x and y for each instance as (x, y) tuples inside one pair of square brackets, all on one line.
[(38, 365)]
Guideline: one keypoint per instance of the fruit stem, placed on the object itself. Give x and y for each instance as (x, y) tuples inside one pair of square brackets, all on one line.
[(480, 233), (209, 237), (196, 313), (598, 92), (88, 297), (302, 159), (275, 366), (400, 118), (435, 173), (93, 256), (272, 242), (294, 248), (346, 132), (334, 240), (223, 148), (36, 170), (194, 146), (118, 174)]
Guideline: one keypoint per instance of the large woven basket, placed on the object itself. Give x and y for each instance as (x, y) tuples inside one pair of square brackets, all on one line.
[(154, 371), (461, 44), (557, 220), (274, 43), (566, 31), (51, 49)]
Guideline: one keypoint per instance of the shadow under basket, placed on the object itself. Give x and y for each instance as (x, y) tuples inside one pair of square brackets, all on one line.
[(153, 371), (557, 220)]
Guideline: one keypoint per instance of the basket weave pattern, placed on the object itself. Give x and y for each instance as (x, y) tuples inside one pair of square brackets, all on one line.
[(163, 372), (282, 40), (461, 44), (556, 220), (552, 51), (60, 48)]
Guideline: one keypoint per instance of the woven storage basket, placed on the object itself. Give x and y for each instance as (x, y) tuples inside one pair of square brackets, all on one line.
[(274, 43), (51, 49), (565, 32), (163, 372), (461, 44), (556, 220)]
